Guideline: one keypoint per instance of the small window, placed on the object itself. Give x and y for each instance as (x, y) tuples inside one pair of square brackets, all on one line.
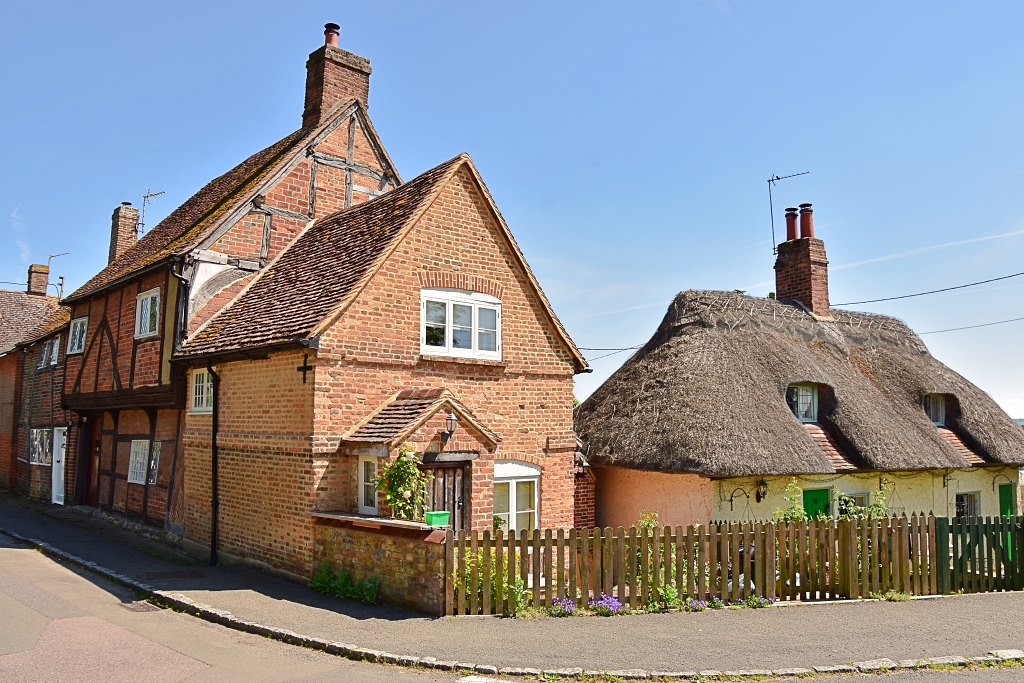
[(968, 504), (147, 313), (856, 500), (154, 464), (368, 485), (515, 496), (76, 336), (803, 401), (460, 323), (935, 408), (44, 356), (139, 462), (40, 450), (55, 350), (202, 392)]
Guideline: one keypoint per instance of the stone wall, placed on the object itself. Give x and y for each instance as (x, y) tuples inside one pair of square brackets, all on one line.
[(408, 562)]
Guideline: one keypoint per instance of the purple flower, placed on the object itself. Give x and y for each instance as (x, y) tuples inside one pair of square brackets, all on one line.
[(607, 606)]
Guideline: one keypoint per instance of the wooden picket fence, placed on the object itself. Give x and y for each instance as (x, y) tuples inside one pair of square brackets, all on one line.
[(487, 573)]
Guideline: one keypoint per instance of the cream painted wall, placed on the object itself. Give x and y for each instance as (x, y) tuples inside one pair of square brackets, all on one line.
[(913, 491), (679, 499)]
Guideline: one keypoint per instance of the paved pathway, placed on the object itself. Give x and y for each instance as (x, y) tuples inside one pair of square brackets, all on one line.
[(800, 636)]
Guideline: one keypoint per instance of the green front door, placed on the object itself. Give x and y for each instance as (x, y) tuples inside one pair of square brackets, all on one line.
[(1006, 500), (816, 502)]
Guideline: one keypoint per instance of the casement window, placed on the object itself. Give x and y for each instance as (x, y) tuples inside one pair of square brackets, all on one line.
[(154, 463), (803, 401), (40, 446), (54, 350), (935, 408), (516, 487), (139, 462), (458, 323), (44, 356), (202, 392), (859, 500), (76, 336), (368, 485), (968, 504), (147, 313)]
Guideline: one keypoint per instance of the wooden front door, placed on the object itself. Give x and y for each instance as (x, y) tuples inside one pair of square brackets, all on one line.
[(448, 489), (60, 440), (816, 501)]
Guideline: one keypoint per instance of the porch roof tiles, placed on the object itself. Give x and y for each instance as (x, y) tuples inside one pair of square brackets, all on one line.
[(407, 411)]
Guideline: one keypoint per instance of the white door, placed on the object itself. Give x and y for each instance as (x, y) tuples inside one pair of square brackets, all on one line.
[(60, 438)]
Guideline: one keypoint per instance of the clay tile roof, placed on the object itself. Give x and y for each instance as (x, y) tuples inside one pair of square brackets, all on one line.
[(830, 448), (706, 394), (22, 314), (316, 273), (409, 409), (971, 456)]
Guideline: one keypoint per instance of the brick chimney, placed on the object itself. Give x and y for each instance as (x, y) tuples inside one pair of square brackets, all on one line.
[(38, 279), (333, 75), (801, 269), (123, 230)]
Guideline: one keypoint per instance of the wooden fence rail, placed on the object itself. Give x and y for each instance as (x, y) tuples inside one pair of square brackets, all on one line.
[(496, 573)]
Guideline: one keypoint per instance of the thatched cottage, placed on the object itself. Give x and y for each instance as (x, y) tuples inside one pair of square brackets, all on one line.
[(734, 396)]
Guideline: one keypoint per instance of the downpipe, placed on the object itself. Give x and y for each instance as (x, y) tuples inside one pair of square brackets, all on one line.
[(214, 485)]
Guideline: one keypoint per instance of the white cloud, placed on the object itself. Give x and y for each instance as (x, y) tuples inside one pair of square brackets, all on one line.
[(18, 226)]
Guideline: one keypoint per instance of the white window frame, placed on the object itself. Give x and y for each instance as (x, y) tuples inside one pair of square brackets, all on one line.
[(138, 463), (201, 394), (511, 473), (367, 509), (44, 356), (147, 300), (976, 496), (76, 335), (814, 401), (940, 399), (451, 297), (40, 447), (55, 350)]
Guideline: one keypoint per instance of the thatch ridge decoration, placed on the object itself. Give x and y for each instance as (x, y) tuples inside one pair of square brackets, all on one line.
[(706, 394)]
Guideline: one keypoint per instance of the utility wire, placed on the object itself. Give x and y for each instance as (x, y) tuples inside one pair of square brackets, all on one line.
[(631, 348), (971, 327), (934, 291)]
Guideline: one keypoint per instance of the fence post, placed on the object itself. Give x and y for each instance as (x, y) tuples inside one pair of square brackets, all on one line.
[(942, 569), (449, 572)]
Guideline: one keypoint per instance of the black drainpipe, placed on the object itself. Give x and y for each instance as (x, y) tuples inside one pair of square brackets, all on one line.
[(215, 501)]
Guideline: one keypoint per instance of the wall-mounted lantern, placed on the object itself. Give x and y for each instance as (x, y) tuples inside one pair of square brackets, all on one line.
[(450, 423)]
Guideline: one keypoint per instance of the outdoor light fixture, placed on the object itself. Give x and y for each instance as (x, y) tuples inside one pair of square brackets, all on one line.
[(762, 491), (450, 423)]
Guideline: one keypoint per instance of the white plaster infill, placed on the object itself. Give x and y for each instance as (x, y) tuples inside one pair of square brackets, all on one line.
[(371, 522)]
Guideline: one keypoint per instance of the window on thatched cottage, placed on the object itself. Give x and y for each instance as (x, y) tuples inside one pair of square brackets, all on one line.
[(803, 401), (935, 407), (968, 504), (458, 323)]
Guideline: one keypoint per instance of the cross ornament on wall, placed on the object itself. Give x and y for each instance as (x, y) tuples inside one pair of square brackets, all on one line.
[(305, 367)]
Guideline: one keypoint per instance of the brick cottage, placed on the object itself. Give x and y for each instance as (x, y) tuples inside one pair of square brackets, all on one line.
[(244, 368)]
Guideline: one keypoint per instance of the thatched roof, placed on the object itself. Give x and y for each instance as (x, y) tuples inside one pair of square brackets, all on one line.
[(707, 394)]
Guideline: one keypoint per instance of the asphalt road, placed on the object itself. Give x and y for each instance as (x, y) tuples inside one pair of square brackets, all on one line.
[(57, 624)]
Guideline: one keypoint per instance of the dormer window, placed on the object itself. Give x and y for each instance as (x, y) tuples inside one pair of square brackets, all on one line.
[(803, 401), (935, 408)]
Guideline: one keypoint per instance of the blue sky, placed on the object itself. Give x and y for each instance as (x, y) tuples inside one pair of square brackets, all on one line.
[(627, 145)]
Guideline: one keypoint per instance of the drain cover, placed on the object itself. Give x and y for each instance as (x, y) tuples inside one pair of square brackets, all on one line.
[(175, 574), (139, 606)]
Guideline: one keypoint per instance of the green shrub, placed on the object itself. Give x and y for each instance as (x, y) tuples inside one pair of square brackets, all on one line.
[(404, 485), (341, 585)]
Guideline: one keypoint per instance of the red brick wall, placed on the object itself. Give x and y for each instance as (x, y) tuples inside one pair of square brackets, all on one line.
[(332, 76), (801, 273), (265, 463), (585, 512), (373, 351), (10, 371)]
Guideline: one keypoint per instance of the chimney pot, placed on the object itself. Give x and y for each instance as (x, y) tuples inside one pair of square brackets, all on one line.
[(790, 223), (38, 279), (331, 32), (124, 225), (806, 220)]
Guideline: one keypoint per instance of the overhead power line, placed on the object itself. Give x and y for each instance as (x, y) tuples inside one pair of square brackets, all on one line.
[(971, 327), (934, 291)]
